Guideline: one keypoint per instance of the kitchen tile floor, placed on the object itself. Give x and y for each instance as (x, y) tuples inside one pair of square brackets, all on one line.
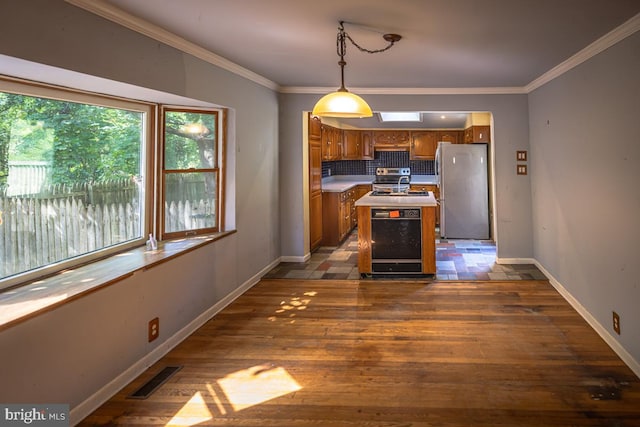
[(455, 260)]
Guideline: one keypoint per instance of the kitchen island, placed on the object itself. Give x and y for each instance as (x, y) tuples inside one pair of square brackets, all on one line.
[(396, 234)]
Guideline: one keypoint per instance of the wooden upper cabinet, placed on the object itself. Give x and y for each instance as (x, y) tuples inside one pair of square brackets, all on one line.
[(481, 133), (468, 135), (331, 143), (351, 145), (367, 145), (452, 136), (326, 138), (315, 127), (391, 140), (315, 166), (423, 145), (477, 134)]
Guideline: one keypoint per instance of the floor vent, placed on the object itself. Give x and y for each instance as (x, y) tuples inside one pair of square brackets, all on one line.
[(154, 383)]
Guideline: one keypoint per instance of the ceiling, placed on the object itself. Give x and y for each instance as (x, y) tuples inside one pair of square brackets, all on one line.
[(447, 45)]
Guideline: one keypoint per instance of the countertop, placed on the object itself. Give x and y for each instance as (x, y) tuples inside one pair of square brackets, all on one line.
[(396, 201), (340, 183), (424, 179)]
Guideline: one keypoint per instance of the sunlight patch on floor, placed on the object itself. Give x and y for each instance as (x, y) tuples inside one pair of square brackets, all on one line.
[(290, 307), (238, 390), (256, 385), (195, 411)]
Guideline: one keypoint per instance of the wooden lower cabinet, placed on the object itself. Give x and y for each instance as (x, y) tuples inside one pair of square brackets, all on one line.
[(428, 240), (336, 217), (315, 220), (339, 214), (436, 192), (360, 191), (346, 204), (364, 239)]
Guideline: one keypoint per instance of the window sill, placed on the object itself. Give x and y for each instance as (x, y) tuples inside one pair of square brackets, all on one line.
[(21, 303)]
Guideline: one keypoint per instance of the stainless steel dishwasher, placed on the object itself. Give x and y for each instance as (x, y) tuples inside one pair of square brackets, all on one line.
[(396, 240)]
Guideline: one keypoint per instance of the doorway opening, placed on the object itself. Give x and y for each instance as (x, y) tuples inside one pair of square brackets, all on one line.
[(340, 149)]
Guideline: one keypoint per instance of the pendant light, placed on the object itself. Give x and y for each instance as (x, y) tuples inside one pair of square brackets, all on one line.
[(343, 103)]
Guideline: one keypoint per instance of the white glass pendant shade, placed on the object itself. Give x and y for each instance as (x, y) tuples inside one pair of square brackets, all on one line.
[(342, 104)]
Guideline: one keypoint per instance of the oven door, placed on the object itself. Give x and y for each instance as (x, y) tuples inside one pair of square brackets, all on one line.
[(396, 240)]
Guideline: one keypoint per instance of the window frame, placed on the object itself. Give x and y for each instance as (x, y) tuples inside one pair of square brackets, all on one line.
[(219, 169), (147, 153)]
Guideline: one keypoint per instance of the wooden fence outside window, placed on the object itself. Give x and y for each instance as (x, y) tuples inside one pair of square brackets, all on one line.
[(61, 222)]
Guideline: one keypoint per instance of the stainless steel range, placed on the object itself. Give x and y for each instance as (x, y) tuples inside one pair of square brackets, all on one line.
[(394, 180)]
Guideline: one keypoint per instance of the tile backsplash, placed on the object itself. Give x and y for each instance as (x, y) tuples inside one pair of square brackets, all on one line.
[(389, 159)]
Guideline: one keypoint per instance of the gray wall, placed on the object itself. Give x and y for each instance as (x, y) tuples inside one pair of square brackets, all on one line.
[(585, 148), (70, 353), (510, 134)]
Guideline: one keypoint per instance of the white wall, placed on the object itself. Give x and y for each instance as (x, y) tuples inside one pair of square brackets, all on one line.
[(510, 132), (73, 352), (585, 149)]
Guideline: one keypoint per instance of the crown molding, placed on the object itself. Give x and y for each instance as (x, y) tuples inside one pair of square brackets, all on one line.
[(410, 90), (117, 15), (604, 42)]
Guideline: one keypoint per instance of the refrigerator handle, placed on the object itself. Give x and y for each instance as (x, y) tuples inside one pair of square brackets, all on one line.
[(443, 230), (437, 165)]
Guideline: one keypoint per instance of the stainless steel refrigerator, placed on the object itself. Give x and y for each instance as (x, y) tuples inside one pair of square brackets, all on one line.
[(464, 191)]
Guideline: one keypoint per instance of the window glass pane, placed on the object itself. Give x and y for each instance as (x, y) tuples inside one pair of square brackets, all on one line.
[(190, 201), (70, 180), (190, 140)]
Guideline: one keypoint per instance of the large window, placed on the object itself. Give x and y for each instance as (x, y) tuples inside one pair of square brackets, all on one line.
[(191, 172), (76, 181), (72, 178)]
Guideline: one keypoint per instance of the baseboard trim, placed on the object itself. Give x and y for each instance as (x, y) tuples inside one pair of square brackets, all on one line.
[(633, 364), (84, 409), (515, 260), (304, 258)]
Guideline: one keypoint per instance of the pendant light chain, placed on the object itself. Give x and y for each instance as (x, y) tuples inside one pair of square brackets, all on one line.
[(341, 47), (342, 35), (343, 103)]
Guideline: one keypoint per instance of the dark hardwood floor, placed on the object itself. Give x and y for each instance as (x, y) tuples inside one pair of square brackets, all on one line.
[(373, 353)]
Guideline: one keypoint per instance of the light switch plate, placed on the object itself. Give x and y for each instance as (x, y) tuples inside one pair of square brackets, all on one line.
[(522, 169), (521, 156)]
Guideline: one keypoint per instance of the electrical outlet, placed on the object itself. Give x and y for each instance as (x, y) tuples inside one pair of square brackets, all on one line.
[(616, 322), (154, 329)]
